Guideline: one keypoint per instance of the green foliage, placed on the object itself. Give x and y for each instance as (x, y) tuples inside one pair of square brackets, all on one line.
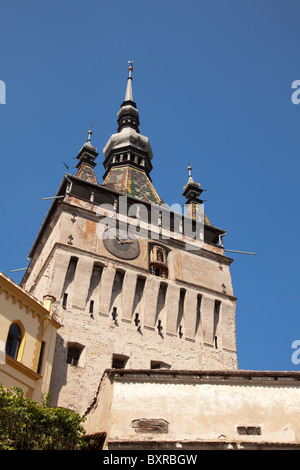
[(63, 428)]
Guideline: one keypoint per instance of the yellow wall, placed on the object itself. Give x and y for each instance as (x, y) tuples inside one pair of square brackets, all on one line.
[(37, 325)]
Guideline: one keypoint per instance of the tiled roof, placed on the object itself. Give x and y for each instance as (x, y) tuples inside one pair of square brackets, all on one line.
[(133, 182), (195, 212), (86, 172)]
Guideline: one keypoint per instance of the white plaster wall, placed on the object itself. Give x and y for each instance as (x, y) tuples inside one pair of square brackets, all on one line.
[(206, 411)]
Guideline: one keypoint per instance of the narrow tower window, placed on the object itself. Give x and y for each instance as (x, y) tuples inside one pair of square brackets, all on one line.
[(137, 321), (216, 322), (180, 315), (161, 300), (159, 327), (198, 313), (65, 300), (114, 314)]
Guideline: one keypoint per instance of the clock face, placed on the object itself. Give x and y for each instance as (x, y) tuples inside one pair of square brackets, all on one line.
[(121, 243)]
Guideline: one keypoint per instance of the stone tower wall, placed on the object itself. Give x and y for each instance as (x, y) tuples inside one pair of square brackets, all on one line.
[(116, 309)]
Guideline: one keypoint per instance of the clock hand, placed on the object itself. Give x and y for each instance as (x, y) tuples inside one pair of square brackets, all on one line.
[(119, 240)]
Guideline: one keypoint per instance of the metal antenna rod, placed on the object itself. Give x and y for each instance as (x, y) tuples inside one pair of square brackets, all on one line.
[(243, 252), (54, 197)]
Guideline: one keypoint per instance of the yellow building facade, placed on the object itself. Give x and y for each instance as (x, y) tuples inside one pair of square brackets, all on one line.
[(27, 339)]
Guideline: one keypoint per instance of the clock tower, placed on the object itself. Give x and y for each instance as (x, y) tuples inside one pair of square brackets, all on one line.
[(137, 285)]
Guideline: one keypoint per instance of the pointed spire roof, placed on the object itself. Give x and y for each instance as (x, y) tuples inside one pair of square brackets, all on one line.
[(128, 153), (128, 116), (128, 94), (191, 183), (192, 189), (191, 192), (86, 164)]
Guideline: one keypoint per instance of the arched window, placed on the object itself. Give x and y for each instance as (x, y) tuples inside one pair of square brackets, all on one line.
[(13, 341)]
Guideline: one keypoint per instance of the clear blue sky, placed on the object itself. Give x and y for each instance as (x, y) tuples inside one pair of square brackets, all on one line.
[(212, 81)]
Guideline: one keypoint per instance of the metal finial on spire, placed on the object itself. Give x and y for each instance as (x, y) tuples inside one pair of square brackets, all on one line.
[(190, 173), (130, 68), (89, 137), (128, 94), (191, 184)]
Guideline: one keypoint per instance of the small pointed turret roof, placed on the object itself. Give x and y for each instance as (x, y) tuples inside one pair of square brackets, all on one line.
[(191, 183), (191, 192), (192, 189), (86, 164)]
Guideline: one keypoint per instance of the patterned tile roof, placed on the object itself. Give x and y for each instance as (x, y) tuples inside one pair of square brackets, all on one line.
[(86, 172), (195, 211), (133, 182)]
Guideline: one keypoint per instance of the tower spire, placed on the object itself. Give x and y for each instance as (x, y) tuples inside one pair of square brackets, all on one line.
[(89, 137), (128, 94), (128, 116), (192, 189), (128, 153), (190, 180)]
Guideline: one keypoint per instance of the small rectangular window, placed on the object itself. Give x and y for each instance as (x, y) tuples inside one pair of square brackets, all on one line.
[(217, 323), (159, 365), (119, 361), (159, 327), (249, 430), (137, 321), (114, 314), (65, 300), (180, 314), (73, 356)]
